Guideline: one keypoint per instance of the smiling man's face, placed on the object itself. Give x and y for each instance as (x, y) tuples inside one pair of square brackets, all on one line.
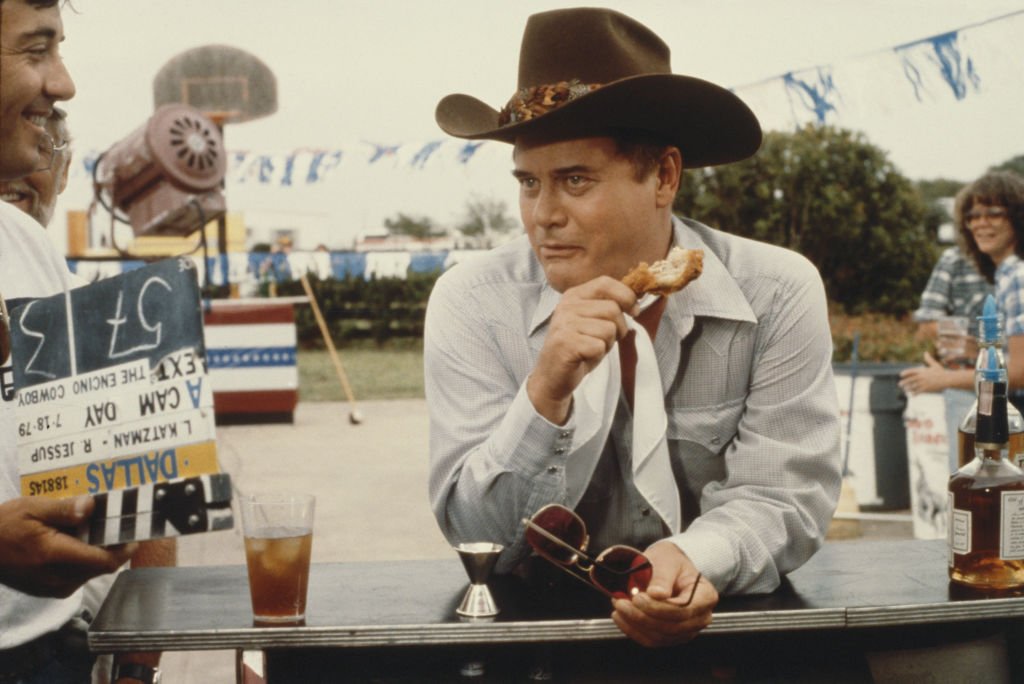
[(32, 79)]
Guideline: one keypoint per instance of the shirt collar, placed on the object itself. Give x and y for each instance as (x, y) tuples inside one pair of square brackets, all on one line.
[(545, 306), (715, 293)]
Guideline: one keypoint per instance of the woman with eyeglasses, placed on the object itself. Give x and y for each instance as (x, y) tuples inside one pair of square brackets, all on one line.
[(990, 220), (989, 215)]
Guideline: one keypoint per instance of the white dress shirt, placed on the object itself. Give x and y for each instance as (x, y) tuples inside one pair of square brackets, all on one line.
[(744, 354)]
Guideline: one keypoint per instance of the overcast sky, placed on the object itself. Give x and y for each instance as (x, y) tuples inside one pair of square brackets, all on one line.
[(357, 70)]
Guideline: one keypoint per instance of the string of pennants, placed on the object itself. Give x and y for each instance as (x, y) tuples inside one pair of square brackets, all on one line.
[(939, 70), (984, 58)]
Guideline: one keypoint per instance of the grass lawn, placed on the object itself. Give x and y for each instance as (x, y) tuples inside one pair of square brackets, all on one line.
[(394, 371)]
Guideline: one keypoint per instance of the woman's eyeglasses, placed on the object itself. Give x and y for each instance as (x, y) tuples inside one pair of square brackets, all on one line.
[(558, 535), (991, 213)]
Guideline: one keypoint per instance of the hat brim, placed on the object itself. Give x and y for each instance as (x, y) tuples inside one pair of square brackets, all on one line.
[(708, 123)]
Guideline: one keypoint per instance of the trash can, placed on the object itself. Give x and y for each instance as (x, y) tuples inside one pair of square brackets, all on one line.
[(874, 439)]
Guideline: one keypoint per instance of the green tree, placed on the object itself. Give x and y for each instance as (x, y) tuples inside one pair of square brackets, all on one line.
[(830, 195), (937, 188), (413, 227), (1016, 164), (485, 218)]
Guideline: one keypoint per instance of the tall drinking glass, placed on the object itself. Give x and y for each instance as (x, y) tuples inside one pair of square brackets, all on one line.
[(278, 530), (955, 346)]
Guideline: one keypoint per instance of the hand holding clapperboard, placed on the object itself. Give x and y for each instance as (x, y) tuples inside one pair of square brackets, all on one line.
[(112, 399)]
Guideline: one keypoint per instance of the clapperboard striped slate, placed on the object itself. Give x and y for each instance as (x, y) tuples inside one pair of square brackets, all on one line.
[(165, 509)]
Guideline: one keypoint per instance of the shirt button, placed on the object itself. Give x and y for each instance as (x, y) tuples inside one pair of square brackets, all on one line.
[(552, 469), (565, 434), (560, 450), (645, 512), (715, 439)]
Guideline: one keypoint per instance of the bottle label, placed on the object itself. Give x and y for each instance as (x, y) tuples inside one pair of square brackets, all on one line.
[(959, 530), (1011, 526), (985, 399)]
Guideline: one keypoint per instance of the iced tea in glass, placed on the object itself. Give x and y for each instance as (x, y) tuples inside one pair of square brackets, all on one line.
[(278, 532)]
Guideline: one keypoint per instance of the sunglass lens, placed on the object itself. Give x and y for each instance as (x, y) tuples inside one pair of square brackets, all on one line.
[(562, 524), (622, 571)]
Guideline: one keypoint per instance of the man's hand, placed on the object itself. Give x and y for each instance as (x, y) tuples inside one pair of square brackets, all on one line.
[(659, 616), (38, 558), (585, 324)]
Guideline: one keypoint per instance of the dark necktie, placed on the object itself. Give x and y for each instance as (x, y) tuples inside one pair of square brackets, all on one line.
[(649, 318)]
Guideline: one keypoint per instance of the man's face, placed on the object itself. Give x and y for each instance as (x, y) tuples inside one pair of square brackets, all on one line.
[(32, 79), (585, 212)]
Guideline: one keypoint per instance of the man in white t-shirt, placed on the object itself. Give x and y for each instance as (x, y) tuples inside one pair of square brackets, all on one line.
[(42, 569)]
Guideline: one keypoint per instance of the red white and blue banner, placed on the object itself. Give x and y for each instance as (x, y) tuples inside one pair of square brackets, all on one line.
[(257, 267)]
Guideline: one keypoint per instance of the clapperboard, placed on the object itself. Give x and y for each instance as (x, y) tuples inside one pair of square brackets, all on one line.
[(112, 399), (165, 509)]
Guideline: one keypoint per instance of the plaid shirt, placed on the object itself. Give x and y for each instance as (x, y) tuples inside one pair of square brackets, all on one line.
[(1010, 294), (955, 288)]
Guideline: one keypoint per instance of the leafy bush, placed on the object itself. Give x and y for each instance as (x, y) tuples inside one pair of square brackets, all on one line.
[(358, 309), (882, 338)]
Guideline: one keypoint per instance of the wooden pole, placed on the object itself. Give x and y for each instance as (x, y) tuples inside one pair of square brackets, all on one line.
[(354, 417)]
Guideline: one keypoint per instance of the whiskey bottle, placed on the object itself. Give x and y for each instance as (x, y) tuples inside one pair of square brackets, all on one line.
[(986, 499), (990, 350)]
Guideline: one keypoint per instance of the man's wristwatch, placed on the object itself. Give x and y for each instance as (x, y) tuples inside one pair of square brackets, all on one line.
[(143, 673)]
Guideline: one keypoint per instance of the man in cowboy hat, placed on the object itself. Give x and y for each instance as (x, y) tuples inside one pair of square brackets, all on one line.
[(713, 442)]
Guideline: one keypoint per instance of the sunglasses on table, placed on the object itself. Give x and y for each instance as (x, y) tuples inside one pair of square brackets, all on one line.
[(559, 536)]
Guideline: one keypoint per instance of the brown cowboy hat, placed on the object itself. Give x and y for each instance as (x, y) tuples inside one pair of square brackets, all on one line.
[(594, 71)]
